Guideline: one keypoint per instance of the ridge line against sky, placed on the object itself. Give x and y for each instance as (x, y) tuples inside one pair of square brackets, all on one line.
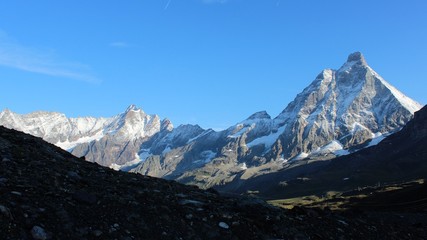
[(206, 62)]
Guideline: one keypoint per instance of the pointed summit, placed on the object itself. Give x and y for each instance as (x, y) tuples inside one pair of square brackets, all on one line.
[(351, 104), (259, 115), (133, 108), (357, 57)]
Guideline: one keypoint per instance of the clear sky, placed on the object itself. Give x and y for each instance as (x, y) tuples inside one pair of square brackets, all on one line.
[(206, 62)]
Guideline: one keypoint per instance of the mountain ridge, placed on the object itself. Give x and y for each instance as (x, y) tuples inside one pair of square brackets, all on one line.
[(339, 112)]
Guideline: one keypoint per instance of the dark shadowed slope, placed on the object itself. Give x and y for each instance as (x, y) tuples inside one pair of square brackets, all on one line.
[(46, 193), (398, 158)]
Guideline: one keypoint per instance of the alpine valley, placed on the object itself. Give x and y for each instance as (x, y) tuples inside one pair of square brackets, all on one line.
[(340, 112)]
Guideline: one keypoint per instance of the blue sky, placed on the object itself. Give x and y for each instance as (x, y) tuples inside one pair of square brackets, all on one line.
[(206, 62)]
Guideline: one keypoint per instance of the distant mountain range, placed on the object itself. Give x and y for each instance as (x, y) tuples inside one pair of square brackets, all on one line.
[(46, 193), (340, 112), (400, 157)]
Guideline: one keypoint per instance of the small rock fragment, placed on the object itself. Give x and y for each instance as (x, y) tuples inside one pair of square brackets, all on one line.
[(74, 176), (38, 233), (342, 222), (83, 231), (235, 223), (84, 197), (190, 202), (5, 211), (97, 233), (223, 225), (181, 195)]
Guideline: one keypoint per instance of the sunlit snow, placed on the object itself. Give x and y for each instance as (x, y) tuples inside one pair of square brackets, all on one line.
[(70, 145), (268, 140), (127, 166), (334, 147), (300, 156)]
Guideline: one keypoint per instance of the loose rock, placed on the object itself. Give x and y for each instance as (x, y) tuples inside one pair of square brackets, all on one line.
[(223, 225), (38, 233)]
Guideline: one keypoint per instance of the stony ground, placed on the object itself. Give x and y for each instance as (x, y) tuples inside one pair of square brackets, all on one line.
[(46, 193)]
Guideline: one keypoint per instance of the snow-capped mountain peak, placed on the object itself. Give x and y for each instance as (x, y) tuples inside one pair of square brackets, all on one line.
[(340, 111), (348, 106), (356, 57), (79, 134), (133, 108), (355, 62)]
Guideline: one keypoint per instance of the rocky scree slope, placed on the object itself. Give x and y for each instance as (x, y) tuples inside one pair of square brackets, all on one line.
[(47, 193)]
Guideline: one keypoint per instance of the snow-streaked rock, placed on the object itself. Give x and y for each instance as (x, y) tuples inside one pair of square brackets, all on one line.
[(349, 105), (339, 112), (110, 141)]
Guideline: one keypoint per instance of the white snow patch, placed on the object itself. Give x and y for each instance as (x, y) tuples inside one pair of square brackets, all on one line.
[(300, 156), (408, 103), (244, 167), (239, 133), (127, 166), (356, 126), (67, 145), (329, 148), (334, 147), (341, 152), (115, 166), (377, 138), (283, 159), (206, 156), (268, 140), (199, 136)]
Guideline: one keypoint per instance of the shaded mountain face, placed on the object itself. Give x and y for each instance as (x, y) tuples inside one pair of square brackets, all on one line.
[(47, 193), (400, 157), (339, 112)]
